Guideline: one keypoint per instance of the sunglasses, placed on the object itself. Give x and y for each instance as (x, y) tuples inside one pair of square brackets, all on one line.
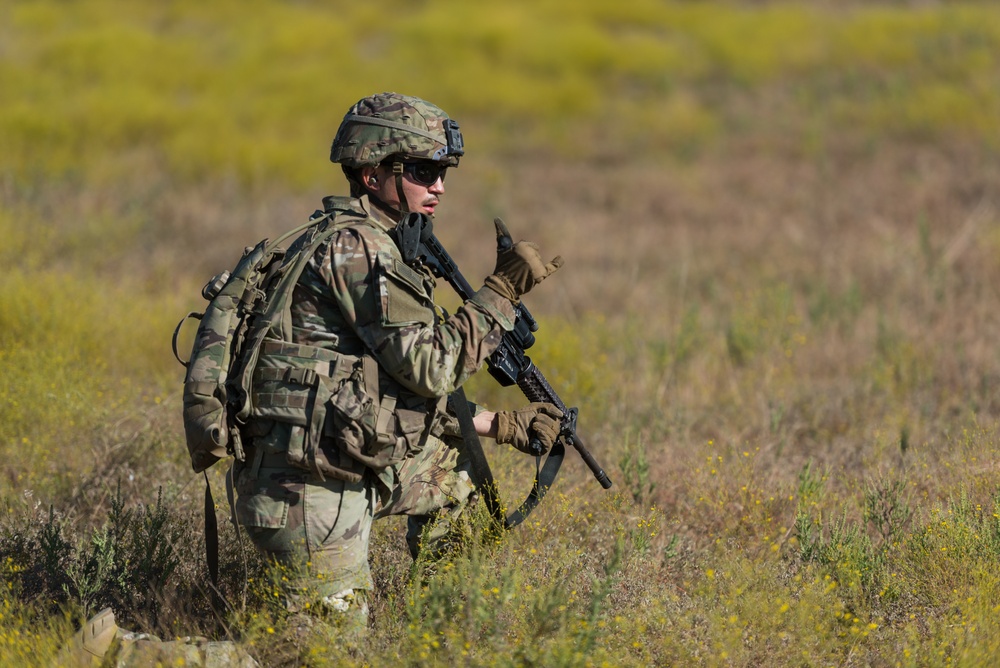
[(425, 173)]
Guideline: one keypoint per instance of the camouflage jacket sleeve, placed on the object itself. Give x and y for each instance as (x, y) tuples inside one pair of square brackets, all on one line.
[(390, 307), (449, 422)]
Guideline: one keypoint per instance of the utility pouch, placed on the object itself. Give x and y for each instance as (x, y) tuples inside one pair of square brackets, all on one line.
[(308, 450), (292, 384), (375, 431)]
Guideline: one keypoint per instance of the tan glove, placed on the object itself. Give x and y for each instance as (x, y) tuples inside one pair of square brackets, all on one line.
[(519, 266), (538, 420)]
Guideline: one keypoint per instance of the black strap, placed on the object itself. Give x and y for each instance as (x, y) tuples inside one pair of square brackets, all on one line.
[(231, 498), (544, 477), (211, 534), (482, 476), (212, 544)]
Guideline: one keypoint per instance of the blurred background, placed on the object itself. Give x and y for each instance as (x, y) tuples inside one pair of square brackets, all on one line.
[(779, 221)]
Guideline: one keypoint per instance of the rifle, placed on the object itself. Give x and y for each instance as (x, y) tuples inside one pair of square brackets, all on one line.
[(509, 365)]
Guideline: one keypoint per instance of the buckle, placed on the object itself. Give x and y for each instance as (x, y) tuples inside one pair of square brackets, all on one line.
[(300, 376)]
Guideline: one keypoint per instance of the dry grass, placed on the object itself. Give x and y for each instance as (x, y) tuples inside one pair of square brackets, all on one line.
[(726, 322), (777, 317)]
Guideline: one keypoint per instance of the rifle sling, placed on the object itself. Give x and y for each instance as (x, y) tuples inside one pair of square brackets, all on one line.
[(545, 475), (480, 471), (482, 476)]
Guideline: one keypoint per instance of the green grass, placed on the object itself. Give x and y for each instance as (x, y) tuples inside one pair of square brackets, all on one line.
[(200, 92), (81, 354)]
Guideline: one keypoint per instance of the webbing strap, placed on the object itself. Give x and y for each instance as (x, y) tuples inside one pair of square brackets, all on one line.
[(314, 430), (480, 471), (374, 120), (212, 538), (387, 408), (295, 230), (369, 371), (211, 534), (231, 498), (397, 172), (545, 475), (290, 374), (212, 545)]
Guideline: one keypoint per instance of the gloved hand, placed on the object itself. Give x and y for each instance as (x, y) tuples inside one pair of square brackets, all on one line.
[(519, 266), (538, 419)]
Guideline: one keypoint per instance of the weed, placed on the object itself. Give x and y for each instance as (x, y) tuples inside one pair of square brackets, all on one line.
[(635, 472), (887, 509)]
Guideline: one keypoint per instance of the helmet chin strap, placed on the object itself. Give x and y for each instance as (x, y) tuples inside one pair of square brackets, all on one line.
[(397, 170)]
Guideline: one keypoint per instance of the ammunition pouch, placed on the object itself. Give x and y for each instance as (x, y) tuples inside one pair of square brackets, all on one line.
[(334, 405)]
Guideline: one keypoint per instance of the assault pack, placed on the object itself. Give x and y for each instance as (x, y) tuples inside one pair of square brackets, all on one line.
[(213, 394), (245, 377), (215, 398)]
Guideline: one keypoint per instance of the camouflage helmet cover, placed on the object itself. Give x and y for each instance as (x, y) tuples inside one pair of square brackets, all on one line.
[(388, 124)]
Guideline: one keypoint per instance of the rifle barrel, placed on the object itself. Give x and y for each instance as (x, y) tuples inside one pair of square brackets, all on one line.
[(536, 388), (589, 460)]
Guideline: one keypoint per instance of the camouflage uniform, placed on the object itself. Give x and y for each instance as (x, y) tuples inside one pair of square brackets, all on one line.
[(326, 370), (357, 297)]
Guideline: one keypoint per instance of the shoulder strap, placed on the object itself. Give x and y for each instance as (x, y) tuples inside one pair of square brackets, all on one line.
[(313, 220), (264, 321), (277, 317), (280, 308)]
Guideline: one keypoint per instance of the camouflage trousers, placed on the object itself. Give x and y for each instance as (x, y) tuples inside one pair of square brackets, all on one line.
[(320, 530)]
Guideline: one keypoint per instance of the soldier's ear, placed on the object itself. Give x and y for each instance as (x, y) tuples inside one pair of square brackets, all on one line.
[(368, 178)]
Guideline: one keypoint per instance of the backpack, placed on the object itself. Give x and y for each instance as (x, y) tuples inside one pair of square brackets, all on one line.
[(244, 373), (212, 396)]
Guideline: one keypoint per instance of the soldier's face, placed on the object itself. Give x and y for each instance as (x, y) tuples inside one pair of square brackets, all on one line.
[(419, 196)]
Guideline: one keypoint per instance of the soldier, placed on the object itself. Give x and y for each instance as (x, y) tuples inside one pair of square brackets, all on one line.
[(388, 359)]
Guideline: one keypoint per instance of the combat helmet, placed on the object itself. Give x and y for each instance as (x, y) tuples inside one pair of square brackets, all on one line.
[(400, 127), (390, 124)]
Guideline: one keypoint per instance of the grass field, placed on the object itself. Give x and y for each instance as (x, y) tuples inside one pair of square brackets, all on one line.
[(778, 317)]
